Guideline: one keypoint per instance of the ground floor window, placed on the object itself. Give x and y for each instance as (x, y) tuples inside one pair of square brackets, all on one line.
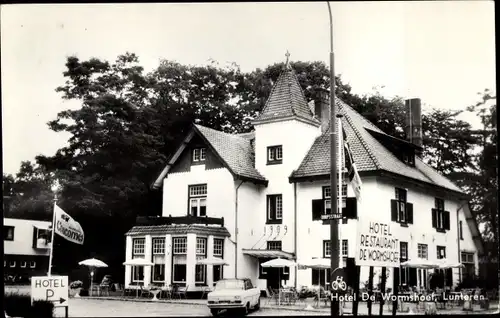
[(159, 273), (469, 269), (422, 277), (218, 272), (320, 277), (137, 273), (179, 269)]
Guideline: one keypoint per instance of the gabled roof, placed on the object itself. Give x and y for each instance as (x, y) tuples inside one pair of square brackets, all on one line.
[(236, 152), (368, 153), (286, 101)]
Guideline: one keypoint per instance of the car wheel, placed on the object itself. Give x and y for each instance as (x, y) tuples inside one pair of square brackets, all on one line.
[(245, 309), (214, 312), (257, 307)]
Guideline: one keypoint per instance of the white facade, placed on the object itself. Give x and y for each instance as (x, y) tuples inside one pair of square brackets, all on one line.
[(25, 253)]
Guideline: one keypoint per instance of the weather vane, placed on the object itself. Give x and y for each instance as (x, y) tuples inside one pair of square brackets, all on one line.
[(287, 64)]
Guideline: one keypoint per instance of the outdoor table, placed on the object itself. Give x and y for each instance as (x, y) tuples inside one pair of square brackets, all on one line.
[(155, 293), (286, 295)]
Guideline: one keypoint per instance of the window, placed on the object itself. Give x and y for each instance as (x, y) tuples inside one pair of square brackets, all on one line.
[(327, 196), (138, 245), (198, 200), (158, 259), (345, 248), (8, 233), (460, 230), (158, 245), (274, 209), (199, 154), (320, 277), (469, 269), (401, 198), (403, 251), (441, 252), (326, 249), (218, 247), (23, 264), (422, 251), (179, 251), (274, 155), (32, 264), (201, 252), (274, 245), (12, 264), (409, 159), (440, 217)]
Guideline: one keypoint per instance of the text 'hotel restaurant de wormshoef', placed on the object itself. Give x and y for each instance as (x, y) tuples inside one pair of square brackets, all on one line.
[(248, 198)]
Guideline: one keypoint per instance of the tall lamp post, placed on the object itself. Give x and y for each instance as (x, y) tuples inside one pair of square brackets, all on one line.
[(334, 225), (55, 189)]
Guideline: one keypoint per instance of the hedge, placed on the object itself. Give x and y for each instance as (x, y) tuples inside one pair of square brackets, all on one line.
[(19, 305)]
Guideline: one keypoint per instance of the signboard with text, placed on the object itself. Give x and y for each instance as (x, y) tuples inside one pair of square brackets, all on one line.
[(50, 288), (377, 243)]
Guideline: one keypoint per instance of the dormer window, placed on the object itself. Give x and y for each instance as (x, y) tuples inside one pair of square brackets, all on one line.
[(409, 159), (199, 154), (274, 155)]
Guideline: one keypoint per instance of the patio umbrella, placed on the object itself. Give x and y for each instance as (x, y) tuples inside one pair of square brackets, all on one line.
[(420, 263), (318, 263), (92, 264), (279, 263), (444, 265), (212, 261)]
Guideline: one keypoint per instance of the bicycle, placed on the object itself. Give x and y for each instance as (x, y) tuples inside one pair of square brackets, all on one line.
[(339, 283)]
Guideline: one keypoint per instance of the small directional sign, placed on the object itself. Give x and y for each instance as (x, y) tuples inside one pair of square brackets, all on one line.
[(338, 282), (51, 288), (331, 216)]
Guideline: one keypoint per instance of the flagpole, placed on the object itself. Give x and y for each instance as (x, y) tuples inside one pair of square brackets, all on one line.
[(340, 145), (52, 234), (334, 225)]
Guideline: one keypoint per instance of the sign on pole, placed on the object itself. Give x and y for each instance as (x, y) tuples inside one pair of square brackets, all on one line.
[(377, 243), (50, 288), (331, 216), (338, 282)]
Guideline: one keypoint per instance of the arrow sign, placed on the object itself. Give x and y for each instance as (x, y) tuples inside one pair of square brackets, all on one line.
[(61, 300)]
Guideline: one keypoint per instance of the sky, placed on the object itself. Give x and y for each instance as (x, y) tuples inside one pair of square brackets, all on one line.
[(441, 52)]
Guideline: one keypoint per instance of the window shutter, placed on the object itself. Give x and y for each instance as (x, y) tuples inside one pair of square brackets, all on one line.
[(315, 276), (434, 218), (449, 277), (446, 220), (394, 210), (412, 280), (350, 210), (318, 207), (409, 213)]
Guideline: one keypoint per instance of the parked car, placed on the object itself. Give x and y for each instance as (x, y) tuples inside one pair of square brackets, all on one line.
[(234, 294)]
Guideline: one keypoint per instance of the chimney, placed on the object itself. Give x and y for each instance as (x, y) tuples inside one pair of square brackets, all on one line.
[(413, 121), (322, 107)]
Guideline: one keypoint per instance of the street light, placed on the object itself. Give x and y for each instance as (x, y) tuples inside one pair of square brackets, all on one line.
[(55, 188), (334, 225)]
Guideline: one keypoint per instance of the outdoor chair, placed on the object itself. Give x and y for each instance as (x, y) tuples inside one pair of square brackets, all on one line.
[(181, 292), (144, 290), (167, 292), (204, 291), (271, 295)]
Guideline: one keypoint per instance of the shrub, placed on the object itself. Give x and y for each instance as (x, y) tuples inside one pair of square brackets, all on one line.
[(19, 305), (76, 284)]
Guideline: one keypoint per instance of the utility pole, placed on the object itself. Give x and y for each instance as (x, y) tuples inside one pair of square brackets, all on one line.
[(334, 225)]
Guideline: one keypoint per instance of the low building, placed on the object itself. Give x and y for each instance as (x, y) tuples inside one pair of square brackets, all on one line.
[(248, 198), (26, 247)]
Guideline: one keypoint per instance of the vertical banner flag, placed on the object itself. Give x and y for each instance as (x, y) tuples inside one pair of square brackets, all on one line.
[(66, 227), (353, 174)]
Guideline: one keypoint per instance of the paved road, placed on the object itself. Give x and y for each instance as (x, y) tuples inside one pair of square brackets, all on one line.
[(113, 308)]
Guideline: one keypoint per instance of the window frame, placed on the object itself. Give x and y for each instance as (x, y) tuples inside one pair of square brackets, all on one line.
[(274, 155), (8, 229), (198, 198), (402, 200), (346, 248), (326, 249), (32, 264), (278, 244), (178, 252), (199, 154), (135, 240), (202, 254), (12, 264), (440, 248), (403, 246), (420, 249), (440, 209), (158, 249), (23, 264), (327, 197), (215, 248), (272, 199)]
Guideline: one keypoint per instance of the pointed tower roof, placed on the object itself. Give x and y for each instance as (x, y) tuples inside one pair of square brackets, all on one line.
[(287, 100)]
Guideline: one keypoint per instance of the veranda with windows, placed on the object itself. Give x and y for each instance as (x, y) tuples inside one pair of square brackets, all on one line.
[(175, 251)]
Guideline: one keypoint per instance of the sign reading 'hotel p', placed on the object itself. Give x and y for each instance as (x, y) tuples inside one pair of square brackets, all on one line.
[(377, 243)]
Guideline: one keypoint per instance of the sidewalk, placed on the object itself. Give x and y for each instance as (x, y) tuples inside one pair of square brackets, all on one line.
[(347, 310)]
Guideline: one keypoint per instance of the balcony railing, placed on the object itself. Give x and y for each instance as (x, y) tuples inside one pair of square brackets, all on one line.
[(188, 219)]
